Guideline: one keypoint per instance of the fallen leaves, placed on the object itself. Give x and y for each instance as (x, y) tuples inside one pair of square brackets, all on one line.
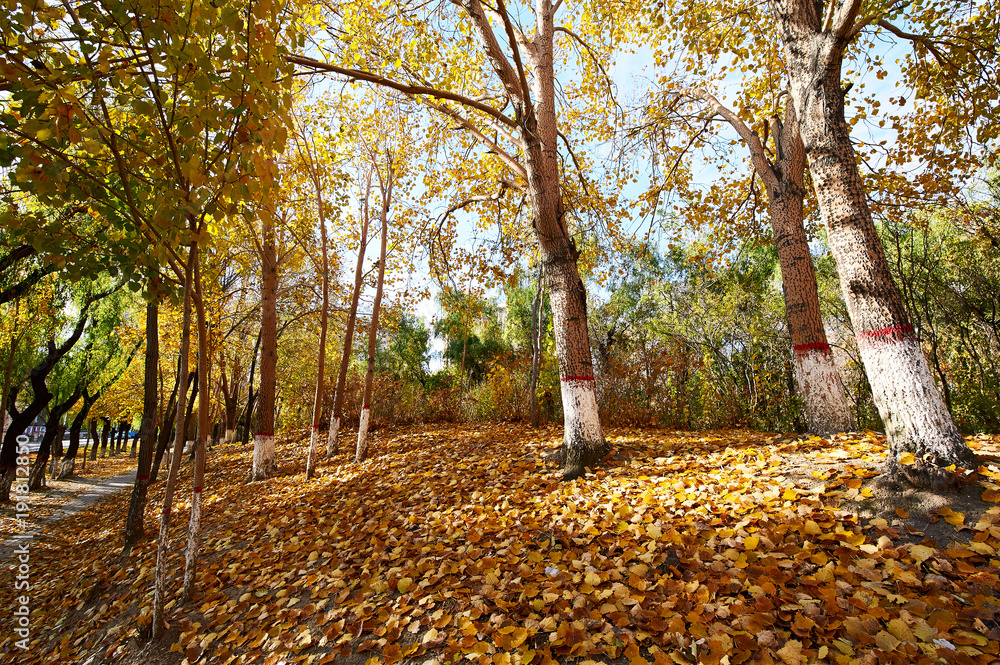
[(460, 544)]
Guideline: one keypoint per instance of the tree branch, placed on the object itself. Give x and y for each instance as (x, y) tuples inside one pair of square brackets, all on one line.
[(750, 137), (411, 90)]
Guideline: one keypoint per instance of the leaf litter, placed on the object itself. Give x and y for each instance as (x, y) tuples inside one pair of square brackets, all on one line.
[(460, 544)]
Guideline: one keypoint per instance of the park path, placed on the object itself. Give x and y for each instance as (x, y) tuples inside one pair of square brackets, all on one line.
[(89, 492)]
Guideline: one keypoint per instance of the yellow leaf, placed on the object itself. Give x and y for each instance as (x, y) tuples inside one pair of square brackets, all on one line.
[(592, 578), (921, 553), (885, 641), (907, 458), (751, 543), (404, 584)]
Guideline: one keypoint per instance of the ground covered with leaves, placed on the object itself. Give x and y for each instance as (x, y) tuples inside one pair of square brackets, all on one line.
[(455, 544), (48, 501)]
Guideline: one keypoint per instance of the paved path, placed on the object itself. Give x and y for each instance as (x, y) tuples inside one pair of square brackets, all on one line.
[(90, 492)]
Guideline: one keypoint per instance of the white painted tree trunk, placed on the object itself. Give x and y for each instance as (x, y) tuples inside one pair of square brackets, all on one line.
[(230, 436), (331, 436), (265, 457), (916, 418), (362, 450), (904, 380), (824, 400)]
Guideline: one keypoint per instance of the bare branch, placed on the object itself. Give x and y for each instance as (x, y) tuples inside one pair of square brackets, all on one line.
[(482, 138), (750, 137)]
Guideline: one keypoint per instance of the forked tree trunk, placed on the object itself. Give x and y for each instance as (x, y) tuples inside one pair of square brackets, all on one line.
[(265, 459), (910, 404), (201, 442), (163, 539), (362, 450), (352, 316), (147, 431)]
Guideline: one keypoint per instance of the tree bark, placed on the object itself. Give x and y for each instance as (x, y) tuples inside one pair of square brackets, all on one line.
[(903, 389), (386, 189), (105, 436), (824, 400), (352, 316), (251, 396), (67, 464), (583, 437), (147, 431), (265, 459)]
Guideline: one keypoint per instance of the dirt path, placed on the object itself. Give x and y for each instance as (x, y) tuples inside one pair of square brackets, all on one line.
[(87, 491)]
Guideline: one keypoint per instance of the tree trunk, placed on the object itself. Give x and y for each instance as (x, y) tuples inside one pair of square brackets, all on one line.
[(910, 404), (583, 438), (53, 431), (352, 316), (36, 478), (824, 400), (7, 372), (323, 317), (386, 189), (265, 459), (163, 539), (537, 312), (86, 446), (68, 462), (57, 450), (194, 525), (147, 431), (94, 436), (251, 396), (167, 426), (105, 435)]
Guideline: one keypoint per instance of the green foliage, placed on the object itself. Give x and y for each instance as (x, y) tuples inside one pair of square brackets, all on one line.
[(948, 268), (687, 348)]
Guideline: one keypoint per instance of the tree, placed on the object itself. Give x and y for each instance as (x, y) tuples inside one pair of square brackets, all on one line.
[(352, 314), (815, 37), (523, 70), (385, 183), (147, 429), (40, 394)]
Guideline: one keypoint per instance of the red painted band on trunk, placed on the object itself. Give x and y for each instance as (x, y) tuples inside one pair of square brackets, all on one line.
[(262, 434), (365, 408), (142, 477), (197, 490), (578, 378), (315, 426), (902, 331), (822, 346)]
